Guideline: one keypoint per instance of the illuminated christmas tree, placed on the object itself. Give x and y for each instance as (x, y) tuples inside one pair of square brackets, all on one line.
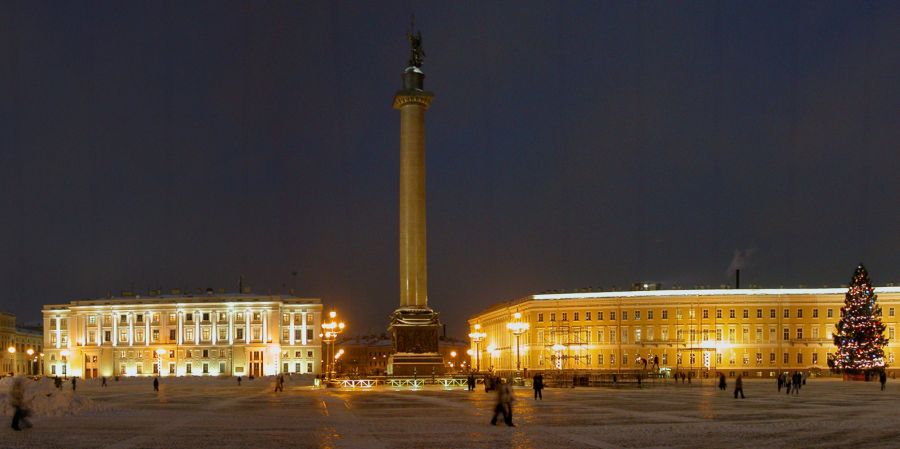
[(859, 335)]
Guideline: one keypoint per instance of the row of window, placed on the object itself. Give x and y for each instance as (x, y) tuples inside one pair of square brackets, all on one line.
[(189, 318), (578, 335), (732, 313), (692, 359), (205, 335)]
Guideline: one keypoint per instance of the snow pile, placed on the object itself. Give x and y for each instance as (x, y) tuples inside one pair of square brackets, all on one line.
[(42, 398)]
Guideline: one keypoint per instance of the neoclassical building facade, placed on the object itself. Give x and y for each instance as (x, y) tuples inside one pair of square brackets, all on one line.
[(754, 332), (21, 348), (183, 335)]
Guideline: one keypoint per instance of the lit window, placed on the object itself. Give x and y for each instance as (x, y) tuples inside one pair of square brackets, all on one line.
[(731, 313), (746, 313), (587, 316), (649, 314), (719, 313), (637, 314), (665, 314), (759, 313), (705, 313), (815, 313)]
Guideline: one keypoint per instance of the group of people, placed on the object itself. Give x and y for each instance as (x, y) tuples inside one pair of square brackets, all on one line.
[(738, 385), (791, 382)]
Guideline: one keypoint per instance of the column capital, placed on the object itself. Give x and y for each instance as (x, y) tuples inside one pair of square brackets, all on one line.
[(407, 97)]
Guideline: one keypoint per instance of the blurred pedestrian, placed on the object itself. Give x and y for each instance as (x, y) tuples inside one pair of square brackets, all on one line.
[(780, 382), (239, 381), (155, 384), (504, 404), (74, 383), (103, 381), (722, 383), (538, 384), (739, 387), (17, 401), (882, 377)]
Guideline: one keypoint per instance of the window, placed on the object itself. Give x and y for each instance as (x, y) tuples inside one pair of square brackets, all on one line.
[(600, 336), (599, 359), (107, 320), (189, 317), (799, 358), (222, 333), (705, 314), (665, 333), (732, 335), (206, 353), (171, 353), (612, 316), (785, 358), (221, 367), (759, 335), (123, 335), (223, 316), (705, 334), (91, 336), (693, 358), (140, 368), (731, 313), (637, 314), (787, 312), (799, 333), (587, 316), (240, 316), (771, 313), (298, 334), (679, 334), (612, 335), (891, 311), (189, 334), (155, 318), (815, 313), (92, 320), (552, 317), (285, 318), (624, 315), (600, 316), (624, 335), (575, 316), (257, 333), (759, 315), (285, 334), (540, 317), (815, 358), (799, 313), (239, 333), (719, 313), (891, 332), (140, 318), (746, 313), (665, 314), (786, 334), (309, 335), (649, 314), (637, 335), (188, 352), (205, 316), (759, 358), (745, 335), (172, 318), (139, 335), (172, 334), (829, 313), (746, 359), (815, 332), (205, 334), (187, 367), (107, 336), (693, 334), (565, 316), (257, 316), (772, 357), (718, 334)]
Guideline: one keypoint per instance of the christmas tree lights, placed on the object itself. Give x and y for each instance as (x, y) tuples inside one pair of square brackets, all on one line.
[(859, 334)]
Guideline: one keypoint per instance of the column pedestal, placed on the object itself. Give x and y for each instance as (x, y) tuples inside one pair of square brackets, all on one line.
[(414, 333)]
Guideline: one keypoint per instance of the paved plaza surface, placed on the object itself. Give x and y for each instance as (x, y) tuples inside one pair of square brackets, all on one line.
[(217, 413)]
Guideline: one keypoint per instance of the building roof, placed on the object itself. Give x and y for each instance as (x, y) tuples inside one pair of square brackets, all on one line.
[(187, 299)]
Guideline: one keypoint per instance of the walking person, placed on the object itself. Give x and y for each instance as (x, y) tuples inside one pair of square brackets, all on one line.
[(538, 384), (74, 381), (504, 404), (17, 401), (239, 381), (882, 377), (796, 382), (780, 382), (155, 384), (103, 381), (722, 383), (739, 387)]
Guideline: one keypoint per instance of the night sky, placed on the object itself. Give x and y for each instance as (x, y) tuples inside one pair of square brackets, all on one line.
[(570, 145)]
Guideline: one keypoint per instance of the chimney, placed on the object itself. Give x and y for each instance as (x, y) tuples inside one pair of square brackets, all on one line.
[(737, 278)]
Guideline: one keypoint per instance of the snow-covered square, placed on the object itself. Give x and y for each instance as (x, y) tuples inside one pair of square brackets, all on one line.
[(217, 413)]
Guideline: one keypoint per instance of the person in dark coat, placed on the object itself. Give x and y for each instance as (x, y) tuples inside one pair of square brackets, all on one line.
[(74, 382), (155, 384), (882, 377), (103, 381), (739, 387), (780, 382), (538, 385), (722, 383), (239, 381)]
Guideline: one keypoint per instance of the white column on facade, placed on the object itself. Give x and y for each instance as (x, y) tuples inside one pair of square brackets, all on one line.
[(303, 329), (115, 335), (231, 327), (214, 318), (99, 330), (58, 332), (265, 323), (197, 316), (179, 322), (147, 329), (130, 328), (291, 327), (84, 319), (247, 317)]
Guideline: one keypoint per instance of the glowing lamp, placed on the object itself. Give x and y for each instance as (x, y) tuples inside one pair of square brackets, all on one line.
[(11, 349), (30, 352)]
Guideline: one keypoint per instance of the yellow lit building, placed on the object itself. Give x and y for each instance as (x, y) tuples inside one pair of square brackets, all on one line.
[(21, 347), (176, 335), (754, 332)]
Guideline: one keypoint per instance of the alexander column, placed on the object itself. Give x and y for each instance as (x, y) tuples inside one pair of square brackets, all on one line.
[(414, 326)]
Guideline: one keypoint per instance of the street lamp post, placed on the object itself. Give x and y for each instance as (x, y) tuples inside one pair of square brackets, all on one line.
[(517, 327), (30, 353), (477, 337), (12, 353), (331, 331)]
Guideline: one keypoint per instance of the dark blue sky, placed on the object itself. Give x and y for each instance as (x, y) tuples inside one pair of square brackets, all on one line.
[(570, 144)]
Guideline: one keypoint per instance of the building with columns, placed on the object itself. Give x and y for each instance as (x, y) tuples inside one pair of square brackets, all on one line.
[(754, 332), (184, 335)]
